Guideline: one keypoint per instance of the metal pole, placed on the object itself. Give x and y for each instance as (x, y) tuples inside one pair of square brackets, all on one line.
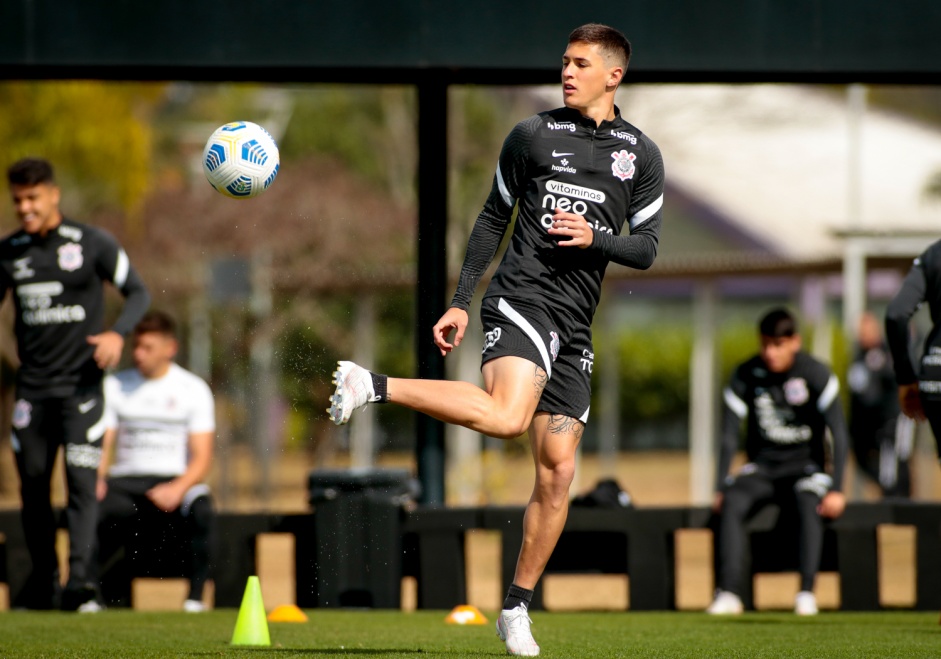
[(702, 424), (432, 272)]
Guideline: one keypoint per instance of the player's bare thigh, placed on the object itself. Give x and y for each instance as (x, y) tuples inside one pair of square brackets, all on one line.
[(515, 385)]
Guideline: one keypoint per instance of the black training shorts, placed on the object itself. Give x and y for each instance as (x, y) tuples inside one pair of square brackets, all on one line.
[(551, 340)]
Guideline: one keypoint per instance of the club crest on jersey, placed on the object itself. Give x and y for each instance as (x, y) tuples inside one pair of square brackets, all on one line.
[(623, 165), (70, 257), (22, 413), (795, 391), (554, 345)]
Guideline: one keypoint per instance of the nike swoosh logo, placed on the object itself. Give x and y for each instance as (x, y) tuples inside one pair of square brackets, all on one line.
[(559, 155), (87, 405)]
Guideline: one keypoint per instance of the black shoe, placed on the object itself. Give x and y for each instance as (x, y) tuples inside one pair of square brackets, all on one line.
[(75, 595), (39, 593)]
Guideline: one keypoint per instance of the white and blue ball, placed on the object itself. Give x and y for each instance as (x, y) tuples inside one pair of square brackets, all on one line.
[(241, 159)]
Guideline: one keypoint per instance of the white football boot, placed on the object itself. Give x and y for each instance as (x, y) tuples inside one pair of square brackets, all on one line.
[(194, 606), (726, 604), (805, 604), (513, 628), (354, 390)]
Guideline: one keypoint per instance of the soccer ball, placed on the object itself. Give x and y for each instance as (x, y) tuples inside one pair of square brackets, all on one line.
[(241, 159)]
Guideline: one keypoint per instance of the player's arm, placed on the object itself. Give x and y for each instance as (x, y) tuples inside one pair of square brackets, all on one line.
[(897, 333), (834, 501), (488, 231), (637, 248), (734, 412), (168, 496), (107, 451), (113, 265)]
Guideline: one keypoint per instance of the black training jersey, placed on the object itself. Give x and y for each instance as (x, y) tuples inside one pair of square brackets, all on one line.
[(786, 415), (612, 174), (922, 284), (59, 299)]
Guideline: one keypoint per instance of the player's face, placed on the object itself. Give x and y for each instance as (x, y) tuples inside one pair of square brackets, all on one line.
[(778, 353), (37, 206), (153, 353), (586, 77)]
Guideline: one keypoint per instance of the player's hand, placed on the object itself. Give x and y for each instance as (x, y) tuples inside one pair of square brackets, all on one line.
[(166, 496), (573, 227), (832, 505), (101, 489), (108, 348), (717, 503), (910, 401), (455, 320)]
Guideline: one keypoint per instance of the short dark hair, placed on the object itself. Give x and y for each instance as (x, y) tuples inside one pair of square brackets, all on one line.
[(31, 171), (612, 43), (157, 322), (778, 323)]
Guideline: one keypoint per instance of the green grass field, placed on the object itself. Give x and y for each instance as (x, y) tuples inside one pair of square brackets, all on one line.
[(393, 635)]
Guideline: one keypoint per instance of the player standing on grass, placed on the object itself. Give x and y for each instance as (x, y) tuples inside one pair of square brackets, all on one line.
[(56, 269), (919, 393), (589, 190), (787, 400)]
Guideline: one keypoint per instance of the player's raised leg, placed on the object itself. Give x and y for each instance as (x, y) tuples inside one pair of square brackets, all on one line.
[(553, 438), (503, 408)]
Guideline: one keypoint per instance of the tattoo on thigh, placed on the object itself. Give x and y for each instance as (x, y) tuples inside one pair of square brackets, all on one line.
[(561, 424), (539, 382)]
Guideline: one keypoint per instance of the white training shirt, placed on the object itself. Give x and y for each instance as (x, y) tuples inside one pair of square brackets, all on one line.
[(154, 419)]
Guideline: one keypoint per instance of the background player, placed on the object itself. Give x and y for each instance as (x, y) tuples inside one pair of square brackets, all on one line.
[(589, 189), (787, 400), (55, 268), (160, 422)]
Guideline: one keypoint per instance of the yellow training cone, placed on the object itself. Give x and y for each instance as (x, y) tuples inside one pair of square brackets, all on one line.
[(466, 614), (287, 613), (251, 627)]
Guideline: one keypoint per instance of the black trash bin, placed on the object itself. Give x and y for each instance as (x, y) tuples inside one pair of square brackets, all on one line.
[(356, 558)]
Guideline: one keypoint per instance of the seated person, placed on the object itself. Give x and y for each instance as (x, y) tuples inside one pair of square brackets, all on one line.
[(160, 423), (787, 400)]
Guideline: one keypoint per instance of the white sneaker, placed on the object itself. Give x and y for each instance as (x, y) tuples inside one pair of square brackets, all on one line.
[(726, 604), (194, 606), (805, 604), (91, 606), (354, 390), (513, 627)]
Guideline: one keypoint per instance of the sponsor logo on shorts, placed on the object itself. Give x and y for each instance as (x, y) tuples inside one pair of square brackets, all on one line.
[(623, 165), (82, 455), (588, 360), (554, 345), (491, 338), (22, 413)]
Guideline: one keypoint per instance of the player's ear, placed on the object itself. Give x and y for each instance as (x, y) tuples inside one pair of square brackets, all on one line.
[(615, 75)]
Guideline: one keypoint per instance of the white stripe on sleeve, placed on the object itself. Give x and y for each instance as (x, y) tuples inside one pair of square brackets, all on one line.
[(736, 404), (121, 269), (645, 213), (828, 395), (504, 191)]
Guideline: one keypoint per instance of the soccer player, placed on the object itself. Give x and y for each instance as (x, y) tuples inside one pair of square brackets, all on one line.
[(787, 400), (882, 441), (919, 394), (588, 188), (56, 269), (160, 421)]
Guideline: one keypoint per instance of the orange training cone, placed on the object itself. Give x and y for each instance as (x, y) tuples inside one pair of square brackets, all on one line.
[(465, 614), (251, 627), (287, 613)]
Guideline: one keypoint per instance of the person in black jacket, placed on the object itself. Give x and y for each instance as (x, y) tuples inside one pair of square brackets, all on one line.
[(787, 400), (882, 442), (588, 189), (919, 393), (56, 269)]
